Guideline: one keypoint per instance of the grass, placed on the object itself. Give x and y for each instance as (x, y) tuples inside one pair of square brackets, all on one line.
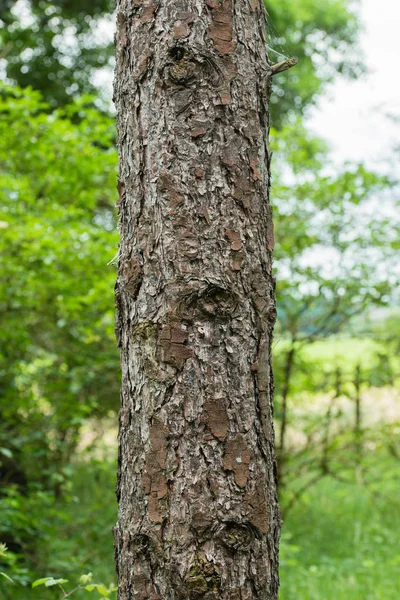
[(341, 543)]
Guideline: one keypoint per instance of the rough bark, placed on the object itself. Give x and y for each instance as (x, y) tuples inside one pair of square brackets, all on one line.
[(198, 513)]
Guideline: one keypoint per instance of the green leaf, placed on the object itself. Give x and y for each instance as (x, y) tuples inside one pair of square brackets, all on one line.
[(99, 587), (52, 582), (6, 452), (48, 582), (368, 564), (102, 590), (6, 576), (40, 581)]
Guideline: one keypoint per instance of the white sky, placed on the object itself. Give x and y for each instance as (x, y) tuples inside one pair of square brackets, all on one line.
[(351, 114)]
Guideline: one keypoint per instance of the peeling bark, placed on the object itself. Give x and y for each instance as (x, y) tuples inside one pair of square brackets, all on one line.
[(198, 513)]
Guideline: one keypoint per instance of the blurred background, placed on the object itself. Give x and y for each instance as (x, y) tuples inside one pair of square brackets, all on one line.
[(335, 135)]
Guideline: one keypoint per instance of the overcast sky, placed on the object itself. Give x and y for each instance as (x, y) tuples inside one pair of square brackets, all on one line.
[(351, 115)]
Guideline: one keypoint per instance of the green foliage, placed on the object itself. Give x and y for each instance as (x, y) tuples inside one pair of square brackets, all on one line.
[(332, 261), (55, 47), (58, 360), (25, 518), (4, 559), (315, 365), (84, 584), (337, 403), (75, 536), (58, 233), (82, 526)]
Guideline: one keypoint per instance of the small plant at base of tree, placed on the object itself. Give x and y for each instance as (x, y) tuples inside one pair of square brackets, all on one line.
[(85, 583)]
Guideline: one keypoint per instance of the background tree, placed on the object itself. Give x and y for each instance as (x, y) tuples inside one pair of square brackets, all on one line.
[(333, 256)]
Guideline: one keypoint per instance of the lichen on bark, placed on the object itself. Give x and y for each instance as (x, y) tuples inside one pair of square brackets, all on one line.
[(198, 514)]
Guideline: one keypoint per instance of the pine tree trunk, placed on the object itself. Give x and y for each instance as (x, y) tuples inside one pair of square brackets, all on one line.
[(198, 514)]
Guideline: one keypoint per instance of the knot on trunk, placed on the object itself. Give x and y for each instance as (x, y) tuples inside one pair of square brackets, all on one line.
[(188, 65), (237, 536), (183, 69), (211, 301), (203, 581)]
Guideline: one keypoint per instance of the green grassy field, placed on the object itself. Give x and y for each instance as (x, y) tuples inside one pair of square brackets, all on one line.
[(343, 352)]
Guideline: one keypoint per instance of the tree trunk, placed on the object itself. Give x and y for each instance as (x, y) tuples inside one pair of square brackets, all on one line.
[(287, 376), (198, 513), (358, 419)]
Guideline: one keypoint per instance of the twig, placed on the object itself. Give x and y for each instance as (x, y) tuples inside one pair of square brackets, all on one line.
[(283, 66)]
